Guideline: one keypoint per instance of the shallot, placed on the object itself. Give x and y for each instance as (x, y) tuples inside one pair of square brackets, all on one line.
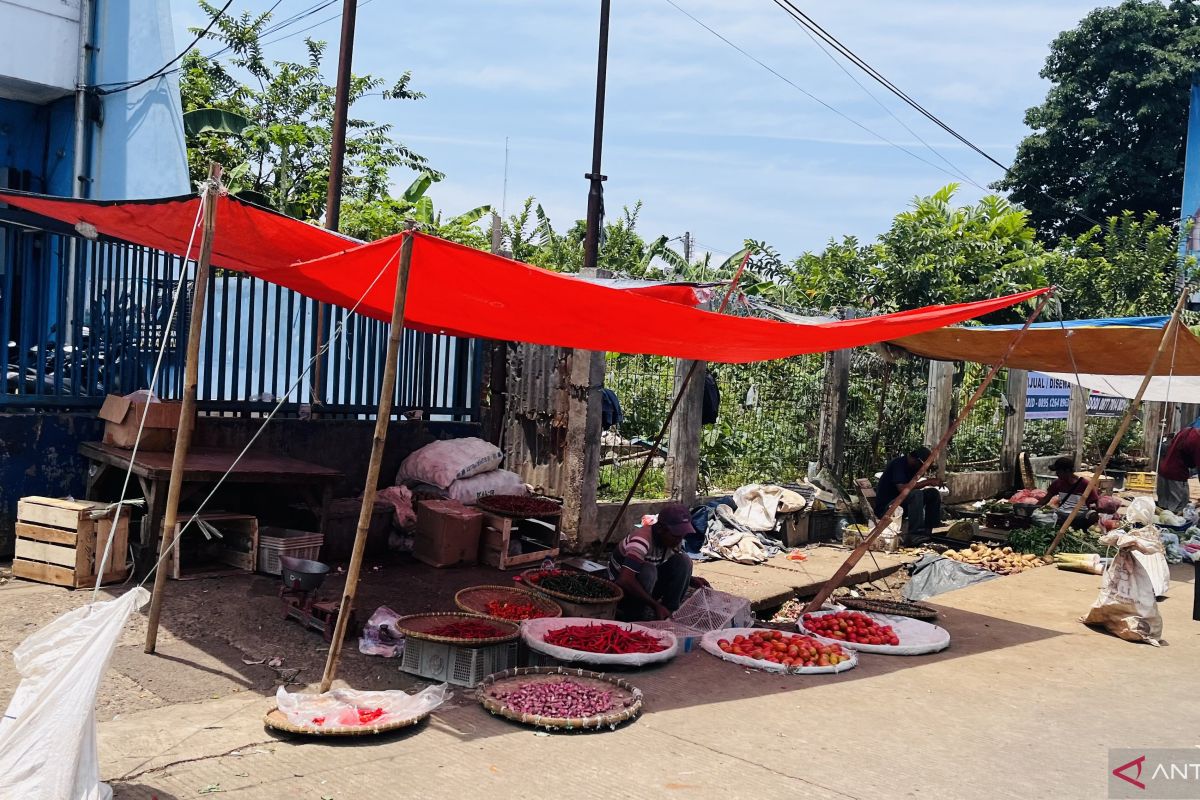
[(561, 699)]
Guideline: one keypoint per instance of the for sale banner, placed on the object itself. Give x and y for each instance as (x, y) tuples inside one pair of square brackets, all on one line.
[(1050, 398)]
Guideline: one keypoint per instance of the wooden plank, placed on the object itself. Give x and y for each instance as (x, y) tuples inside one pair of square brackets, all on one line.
[(51, 515), (40, 533), (120, 545), (1015, 389), (72, 505), (51, 553), (683, 446), (45, 573)]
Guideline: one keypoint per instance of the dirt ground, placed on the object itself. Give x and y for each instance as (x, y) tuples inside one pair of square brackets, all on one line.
[(1025, 703)]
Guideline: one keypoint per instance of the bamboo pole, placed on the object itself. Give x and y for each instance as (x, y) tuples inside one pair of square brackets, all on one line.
[(187, 412), (382, 417), (1168, 333), (886, 518), (687, 378)]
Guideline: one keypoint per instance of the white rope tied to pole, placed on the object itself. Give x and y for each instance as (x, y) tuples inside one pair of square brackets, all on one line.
[(333, 337), (162, 349)]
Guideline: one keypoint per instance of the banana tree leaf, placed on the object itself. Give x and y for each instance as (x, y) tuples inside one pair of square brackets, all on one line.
[(215, 120)]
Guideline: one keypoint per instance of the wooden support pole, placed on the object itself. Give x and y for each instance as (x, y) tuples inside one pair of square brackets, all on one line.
[(683, 448), (939, 405), (1169, 339), (383, 417), (1154, 414), (885, 519), (187, 412), (679, 394), (835, 402), (1014, 422)]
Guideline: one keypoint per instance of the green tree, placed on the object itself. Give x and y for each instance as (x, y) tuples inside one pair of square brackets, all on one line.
[(935, 252), (1109, 136), (375, 219), (529, 236), (282, 157), (1126, 268)]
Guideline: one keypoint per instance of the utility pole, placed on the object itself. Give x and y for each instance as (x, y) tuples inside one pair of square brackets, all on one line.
[(687, 247), (595, 207), (337, 160)]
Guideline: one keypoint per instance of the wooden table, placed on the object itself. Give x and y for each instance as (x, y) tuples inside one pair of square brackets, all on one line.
[(202, 469)]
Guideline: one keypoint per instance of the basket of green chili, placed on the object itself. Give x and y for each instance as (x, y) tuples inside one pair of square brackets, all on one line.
[(578, 593)]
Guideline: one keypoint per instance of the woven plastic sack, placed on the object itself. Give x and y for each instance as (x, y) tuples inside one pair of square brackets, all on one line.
[(710, 639), (48, 733), (533, 631), (710, 610), (340, 707), (443, 462), (1127, 606), (917, 638), (499, 481)]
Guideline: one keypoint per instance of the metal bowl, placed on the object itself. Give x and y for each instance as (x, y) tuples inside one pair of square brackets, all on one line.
[(302, 574)]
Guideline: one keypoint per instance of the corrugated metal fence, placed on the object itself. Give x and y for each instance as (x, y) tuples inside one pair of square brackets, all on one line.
[(75, 335)]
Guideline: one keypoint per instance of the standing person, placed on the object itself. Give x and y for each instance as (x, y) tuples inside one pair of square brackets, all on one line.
[(923, 506), (1069, 488), (651, 568), (1175, 470)]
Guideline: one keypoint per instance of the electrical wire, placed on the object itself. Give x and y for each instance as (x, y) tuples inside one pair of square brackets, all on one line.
[(812, 26), (805, 92), (163, 70)]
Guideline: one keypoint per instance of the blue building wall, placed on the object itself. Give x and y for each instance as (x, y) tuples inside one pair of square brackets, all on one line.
[(39, 142)]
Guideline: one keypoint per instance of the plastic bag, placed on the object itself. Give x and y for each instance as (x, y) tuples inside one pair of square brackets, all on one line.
[(341, 707), (379, 637), (1127, 606), (443, 462), (1141, 511), (48, 733), (400, 499), (534, 631)]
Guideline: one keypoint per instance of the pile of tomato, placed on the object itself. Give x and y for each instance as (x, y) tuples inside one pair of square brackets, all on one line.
[(851, 626), (787, 650)]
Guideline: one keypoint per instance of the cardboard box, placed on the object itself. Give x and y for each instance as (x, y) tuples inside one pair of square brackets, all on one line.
[(447, 533), (122, 416)]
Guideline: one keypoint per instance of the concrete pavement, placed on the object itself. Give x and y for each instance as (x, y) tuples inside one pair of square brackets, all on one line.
[(1025, 703)]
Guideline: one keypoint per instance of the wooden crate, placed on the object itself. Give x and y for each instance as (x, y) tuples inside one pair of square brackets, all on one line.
[(236, 552), (499, 532), (59, 542)]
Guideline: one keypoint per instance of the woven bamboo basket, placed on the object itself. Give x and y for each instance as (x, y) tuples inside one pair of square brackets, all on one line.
[(574, 605), (475, 599), (417, 626), (626, 696), (277, 720), (900, 608)]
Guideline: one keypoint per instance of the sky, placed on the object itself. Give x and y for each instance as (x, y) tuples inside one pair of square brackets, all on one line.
[(710, 141)]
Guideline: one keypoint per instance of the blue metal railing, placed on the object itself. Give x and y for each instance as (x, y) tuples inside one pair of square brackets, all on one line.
[(85, 318)]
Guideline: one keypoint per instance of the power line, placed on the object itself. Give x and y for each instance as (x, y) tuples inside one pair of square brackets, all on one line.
[(807, 93), (163, 70), (814, 28)]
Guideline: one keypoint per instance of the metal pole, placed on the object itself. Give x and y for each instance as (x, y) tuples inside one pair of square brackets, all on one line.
[(187, 412), (382, 417), (595, 207), (885, 519), (1172, 327), (337, 160)]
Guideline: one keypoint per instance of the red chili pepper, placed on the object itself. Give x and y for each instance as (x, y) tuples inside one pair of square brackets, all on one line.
[(604, 638), (467, 629), (514, 610), (318, 720), (367, 716)]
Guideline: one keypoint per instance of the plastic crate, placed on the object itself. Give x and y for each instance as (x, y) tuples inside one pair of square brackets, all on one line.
[(460, 666), (276, 542)]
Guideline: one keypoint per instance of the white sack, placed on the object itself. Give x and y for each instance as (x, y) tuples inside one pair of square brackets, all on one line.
[(443, 462), (499, 481), (758, 505), (1127, 606), (48, 734)]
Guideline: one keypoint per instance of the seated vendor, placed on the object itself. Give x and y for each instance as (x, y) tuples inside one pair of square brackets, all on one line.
[(1068, 488), (651, 568), (923, 506)]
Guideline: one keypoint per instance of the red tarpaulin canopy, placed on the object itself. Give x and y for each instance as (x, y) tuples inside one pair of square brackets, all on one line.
[(467, 292)]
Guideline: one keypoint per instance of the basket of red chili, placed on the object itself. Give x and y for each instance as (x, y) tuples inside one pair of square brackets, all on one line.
[(597, 642), (506, 603), (578, 593), (469, 630)]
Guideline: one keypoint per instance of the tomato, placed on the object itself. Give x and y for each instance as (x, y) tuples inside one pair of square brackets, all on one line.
[(739, 639)]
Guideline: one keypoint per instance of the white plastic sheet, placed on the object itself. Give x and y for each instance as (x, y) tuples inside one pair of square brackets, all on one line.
[(916, 637), (48, 734), (533, 631), (340, 707), (710, 639)]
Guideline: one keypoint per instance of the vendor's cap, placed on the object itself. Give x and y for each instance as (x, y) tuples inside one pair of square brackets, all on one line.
[(675, 518)]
